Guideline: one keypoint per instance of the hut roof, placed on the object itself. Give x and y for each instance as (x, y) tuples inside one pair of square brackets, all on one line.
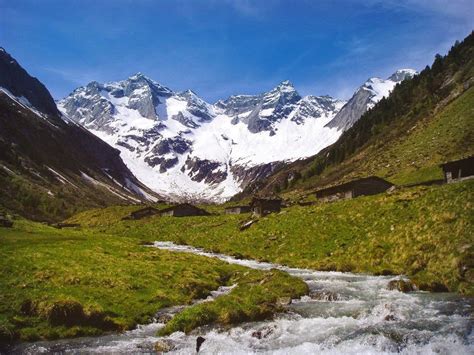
[(265, 199), (188, 205), (148, 208), (457, 163), (350, 184)]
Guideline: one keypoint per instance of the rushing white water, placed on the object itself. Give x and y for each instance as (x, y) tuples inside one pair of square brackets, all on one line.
[(353, 314)]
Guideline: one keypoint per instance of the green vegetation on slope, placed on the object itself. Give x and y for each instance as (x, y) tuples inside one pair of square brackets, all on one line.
[(449, 135), (64, 283), (415, 155), (423, 232), (45, 200)]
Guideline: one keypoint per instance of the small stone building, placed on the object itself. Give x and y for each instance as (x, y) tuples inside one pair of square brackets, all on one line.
[(264, 206), (458, 170), (237, 209), (142, 213), (371, 185), (182, 210)]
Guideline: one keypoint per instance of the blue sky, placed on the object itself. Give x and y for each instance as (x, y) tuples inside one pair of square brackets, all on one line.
[(224, 47)]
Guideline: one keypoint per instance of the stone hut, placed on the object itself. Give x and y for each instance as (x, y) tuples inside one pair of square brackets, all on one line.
[(264, 206), (182, 210), (238, 209), (142, 213), (371, 185), (458, 170)]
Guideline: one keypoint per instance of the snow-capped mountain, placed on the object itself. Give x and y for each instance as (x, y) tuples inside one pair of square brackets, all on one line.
[(185, 148), (366, 97)]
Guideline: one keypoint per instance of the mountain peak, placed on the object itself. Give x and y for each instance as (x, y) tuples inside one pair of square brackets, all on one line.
[(366, 96), (402, 74), (139, 80), (93, 84), (285, 89), (188, 92), (140, 77), (20, 83), (285, 85)]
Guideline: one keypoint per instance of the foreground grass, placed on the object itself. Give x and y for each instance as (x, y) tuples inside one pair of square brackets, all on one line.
[(423, 232), (66, 283)]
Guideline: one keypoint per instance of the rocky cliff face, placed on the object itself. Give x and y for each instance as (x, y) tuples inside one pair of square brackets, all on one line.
[(260, 112)]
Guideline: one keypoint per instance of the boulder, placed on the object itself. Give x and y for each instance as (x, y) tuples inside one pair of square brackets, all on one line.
[(163, 346), (164, 318), (246, 224), (401, 285), (433, 287), (283, 301), (199, 341), (324, 296), (263, 332)]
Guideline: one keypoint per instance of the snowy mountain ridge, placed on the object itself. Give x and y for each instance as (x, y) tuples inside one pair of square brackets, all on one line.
[(187, 149), (366, 96)]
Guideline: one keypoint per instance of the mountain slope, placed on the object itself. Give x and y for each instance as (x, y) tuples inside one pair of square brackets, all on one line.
[(425, 121), (371, 92), (187, 149), (14, 78), (50, 166)]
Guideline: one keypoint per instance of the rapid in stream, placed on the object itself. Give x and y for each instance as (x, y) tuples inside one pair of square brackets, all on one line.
[(356, 314)]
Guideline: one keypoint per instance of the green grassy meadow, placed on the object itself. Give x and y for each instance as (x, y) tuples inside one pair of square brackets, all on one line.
[(424, 232), (66, 283)]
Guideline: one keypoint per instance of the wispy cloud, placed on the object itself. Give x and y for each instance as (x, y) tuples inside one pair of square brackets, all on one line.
[(459, 9)]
